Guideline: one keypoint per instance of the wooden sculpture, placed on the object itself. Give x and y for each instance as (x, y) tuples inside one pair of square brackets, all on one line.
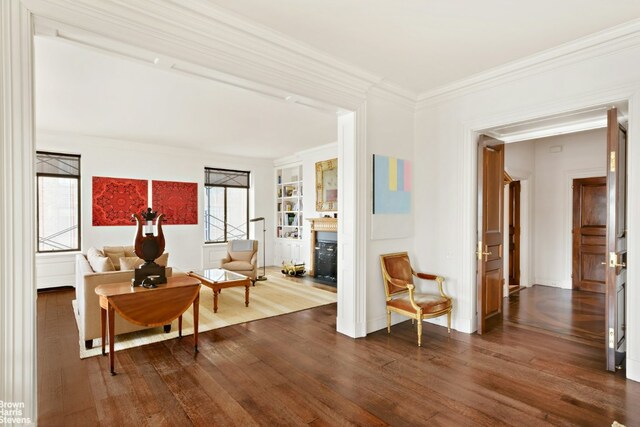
[(149, 247)]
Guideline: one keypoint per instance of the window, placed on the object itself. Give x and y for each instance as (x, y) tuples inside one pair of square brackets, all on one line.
[(226, 205), (58, 196)]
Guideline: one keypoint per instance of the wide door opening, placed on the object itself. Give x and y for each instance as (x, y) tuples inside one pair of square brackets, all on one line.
[(562, 257)]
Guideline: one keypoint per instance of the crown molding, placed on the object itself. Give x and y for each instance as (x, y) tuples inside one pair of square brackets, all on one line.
[(396, 94), (595, 45), (196, 35)]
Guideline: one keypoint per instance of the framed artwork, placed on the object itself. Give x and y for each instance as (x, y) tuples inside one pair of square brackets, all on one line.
[(178, 201), (116, 199), (391, 185), (327, 185)]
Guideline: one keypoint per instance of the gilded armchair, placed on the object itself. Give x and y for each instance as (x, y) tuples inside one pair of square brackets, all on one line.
[(402, 297)]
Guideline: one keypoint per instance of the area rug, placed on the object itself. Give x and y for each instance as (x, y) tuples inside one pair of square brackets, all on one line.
[(269, 298)]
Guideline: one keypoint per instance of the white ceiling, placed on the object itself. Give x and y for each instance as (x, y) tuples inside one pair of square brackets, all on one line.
[(423, 44), (84, 91), (416, 44)]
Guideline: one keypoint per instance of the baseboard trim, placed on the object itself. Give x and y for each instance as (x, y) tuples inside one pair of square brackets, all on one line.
[(351, 329)]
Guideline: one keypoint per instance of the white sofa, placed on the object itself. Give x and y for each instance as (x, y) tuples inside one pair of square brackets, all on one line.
[(88, 304)]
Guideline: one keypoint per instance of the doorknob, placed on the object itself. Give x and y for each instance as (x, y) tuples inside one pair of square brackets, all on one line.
[(480, 252), (613, 260)]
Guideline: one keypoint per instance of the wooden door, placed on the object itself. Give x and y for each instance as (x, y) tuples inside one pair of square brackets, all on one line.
[(490, 276), (589, 234), (514, 234), (616, 240)]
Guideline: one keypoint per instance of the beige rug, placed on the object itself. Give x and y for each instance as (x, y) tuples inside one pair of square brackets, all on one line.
[(273, 297)]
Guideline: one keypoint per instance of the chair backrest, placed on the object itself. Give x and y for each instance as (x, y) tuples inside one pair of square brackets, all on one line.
[(395, 266), (242, 250)]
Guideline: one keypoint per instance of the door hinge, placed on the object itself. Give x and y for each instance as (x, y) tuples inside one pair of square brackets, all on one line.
[(612, 166), (612, 338)]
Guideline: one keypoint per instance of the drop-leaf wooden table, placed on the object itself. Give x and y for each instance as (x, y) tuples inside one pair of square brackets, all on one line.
[(148, 307)]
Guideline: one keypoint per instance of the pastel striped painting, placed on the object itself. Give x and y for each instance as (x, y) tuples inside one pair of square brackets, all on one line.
[(391, 185)]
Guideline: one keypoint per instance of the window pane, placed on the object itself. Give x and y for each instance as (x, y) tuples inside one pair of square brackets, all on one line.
[(214, 214), (226, 178), (57, 214), (57, 164), (236, 213)]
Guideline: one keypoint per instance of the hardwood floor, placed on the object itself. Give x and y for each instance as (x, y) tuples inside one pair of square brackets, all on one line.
[(296, 370), (577, 314)]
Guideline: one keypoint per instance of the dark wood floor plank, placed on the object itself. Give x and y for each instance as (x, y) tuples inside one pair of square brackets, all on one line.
[(296, 370)]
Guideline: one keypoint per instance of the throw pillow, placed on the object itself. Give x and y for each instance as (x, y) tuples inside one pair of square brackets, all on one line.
[(130, 263), (129, 251), (114, 253), (98, 262)]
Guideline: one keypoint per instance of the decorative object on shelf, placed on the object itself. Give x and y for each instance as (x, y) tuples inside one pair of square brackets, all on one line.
[(115, 198), (391, 185), (264, 257), (149, 247), (327, 185), (178, 201), (292, 269)]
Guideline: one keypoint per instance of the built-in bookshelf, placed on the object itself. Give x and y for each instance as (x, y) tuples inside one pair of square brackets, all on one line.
[(289, 202)]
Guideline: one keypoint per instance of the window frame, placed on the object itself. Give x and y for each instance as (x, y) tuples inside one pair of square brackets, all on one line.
[(54, 175), (225, 187)]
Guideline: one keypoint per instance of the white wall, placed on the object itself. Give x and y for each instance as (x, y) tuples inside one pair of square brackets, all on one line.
[(390, 132), (548, 199), (116, 158), (583, 155), (446, 141)]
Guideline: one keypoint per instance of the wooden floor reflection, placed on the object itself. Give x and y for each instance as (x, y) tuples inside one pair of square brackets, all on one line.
[(576, 314)]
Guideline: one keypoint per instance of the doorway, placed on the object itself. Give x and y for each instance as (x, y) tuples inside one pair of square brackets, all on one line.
[(581, 257)]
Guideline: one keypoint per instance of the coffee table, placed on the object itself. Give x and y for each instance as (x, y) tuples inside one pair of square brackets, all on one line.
[(148, 307), (218, 278)]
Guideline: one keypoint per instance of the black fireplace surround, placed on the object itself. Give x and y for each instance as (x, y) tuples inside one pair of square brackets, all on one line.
[(326, 257)]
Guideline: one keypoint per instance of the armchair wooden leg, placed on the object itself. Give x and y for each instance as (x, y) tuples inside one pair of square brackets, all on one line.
[(413, 322), (420, 332), (449, 322), (388, 321)]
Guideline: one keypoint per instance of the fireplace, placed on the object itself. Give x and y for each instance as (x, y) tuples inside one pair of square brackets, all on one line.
[(326, 257), (324, 250)]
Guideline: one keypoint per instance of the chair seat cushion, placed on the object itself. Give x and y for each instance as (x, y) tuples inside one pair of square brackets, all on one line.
[(430, 303), (237, 266)]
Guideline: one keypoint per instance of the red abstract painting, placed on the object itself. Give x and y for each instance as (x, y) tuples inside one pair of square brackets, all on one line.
[(178, 201), (115, 199)]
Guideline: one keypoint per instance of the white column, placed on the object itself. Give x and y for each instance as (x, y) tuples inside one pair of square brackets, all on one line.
[(352, 224), (17, 259)]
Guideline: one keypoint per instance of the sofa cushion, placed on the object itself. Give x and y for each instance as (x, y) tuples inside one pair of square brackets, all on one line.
[(163, 259), (238, 266), (98, 261), (129, 251), (115, 253), (130, 263)]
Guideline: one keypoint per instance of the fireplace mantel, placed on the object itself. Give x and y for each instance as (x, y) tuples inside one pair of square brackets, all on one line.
[(319, 224), (323, 224)]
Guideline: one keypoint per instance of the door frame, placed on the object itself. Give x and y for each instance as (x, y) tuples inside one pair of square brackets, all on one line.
[(574, 254), (526, 226), (473, 128)]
